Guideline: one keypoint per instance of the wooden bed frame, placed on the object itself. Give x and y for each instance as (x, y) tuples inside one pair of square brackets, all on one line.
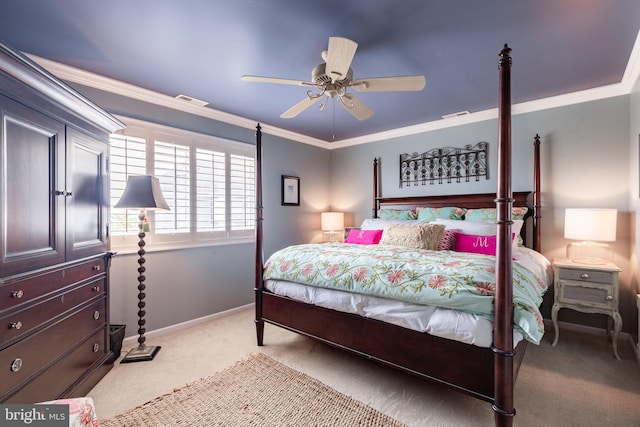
[(487, 374)]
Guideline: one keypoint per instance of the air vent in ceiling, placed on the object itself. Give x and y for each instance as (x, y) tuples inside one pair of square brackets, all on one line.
[(459, 113), (192, 100)]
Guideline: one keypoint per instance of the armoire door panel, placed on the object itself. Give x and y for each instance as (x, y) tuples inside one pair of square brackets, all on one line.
[(32, 180), (86, 205)]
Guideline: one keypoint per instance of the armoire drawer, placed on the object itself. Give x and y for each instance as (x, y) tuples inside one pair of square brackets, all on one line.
[(20, 323), (64, 373), (39, 350), (19, 290)]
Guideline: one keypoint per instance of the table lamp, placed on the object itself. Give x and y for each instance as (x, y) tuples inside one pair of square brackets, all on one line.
[(590, 226), (332, 223), (142, 192)]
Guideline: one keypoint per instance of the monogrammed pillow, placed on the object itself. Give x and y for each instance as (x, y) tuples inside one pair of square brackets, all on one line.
[(476, 243)]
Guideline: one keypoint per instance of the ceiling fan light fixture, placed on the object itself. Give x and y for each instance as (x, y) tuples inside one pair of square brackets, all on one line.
[(335, 76)]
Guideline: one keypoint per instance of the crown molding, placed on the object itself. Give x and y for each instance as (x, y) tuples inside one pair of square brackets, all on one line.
[(65, 72), (97, 81)]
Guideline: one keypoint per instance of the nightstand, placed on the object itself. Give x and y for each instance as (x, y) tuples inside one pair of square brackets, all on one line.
[(588, 289)]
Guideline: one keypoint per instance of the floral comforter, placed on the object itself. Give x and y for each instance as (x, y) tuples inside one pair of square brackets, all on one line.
[(456, 280)]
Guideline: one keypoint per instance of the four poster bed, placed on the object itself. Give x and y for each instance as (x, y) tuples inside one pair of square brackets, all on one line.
[(482, 367)]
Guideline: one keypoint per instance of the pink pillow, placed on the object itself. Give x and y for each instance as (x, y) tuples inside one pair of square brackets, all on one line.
[(476, 244), (447, 240), (364, 237)]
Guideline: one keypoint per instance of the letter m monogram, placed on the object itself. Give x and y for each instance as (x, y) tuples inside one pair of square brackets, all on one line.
[(481, 242)]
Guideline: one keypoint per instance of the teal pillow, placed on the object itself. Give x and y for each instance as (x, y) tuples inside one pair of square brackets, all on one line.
[(431, 214), (397, 214), (489, 214)]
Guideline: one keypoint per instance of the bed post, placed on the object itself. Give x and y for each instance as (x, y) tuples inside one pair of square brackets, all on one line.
[(537, 214), (374, 212), (259, 283), (503, 324)]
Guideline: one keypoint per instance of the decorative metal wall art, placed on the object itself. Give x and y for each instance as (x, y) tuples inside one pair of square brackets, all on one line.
[(446, 164)]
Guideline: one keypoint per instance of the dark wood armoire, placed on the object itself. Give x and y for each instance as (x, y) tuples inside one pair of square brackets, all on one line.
[(54, 235)]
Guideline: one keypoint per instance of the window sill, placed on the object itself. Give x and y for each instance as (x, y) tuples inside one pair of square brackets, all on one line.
[(174, 246)]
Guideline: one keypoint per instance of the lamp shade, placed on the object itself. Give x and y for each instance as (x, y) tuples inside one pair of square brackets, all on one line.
[(332, 221), (597, 225), (142, 192)]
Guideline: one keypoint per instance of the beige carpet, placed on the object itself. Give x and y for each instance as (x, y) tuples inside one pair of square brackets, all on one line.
[(576, 383), (257, 391)]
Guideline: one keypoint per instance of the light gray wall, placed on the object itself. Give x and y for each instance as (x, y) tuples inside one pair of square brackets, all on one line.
[(187, 284), (287, 225), (585, 163)]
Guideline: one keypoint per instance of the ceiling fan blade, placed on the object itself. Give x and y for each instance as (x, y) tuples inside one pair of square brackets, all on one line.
[(388, 84), (300, 107), (260, 79), (339, 56), (356, 107)]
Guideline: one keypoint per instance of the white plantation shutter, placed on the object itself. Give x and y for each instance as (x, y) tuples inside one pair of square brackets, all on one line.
[(208, 182), (211, 198), (242, 193), (171, 167), (128, 157)]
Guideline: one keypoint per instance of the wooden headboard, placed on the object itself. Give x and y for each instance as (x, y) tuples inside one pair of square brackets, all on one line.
[(528, 199), (469, 201)]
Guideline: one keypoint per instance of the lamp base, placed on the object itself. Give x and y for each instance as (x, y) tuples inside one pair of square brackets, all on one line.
[(142, 353), (590, 253)]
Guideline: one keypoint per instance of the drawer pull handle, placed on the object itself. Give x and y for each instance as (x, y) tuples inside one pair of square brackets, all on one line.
[(17, 294), (96, 289), (16, 325), (584, 276), (96, 347), (96, 268), (609, 298), (96, 315), (16, 365)]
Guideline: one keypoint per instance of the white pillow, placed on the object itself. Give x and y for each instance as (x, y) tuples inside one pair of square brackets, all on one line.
[(480, 228), (380, 224)]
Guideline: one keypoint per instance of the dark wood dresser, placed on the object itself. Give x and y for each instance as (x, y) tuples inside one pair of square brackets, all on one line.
[(54, 235)]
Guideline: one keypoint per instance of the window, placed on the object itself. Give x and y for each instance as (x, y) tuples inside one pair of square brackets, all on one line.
[(208, 183)]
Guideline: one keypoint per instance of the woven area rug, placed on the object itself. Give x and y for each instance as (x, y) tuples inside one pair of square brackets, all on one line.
[(257, 391)]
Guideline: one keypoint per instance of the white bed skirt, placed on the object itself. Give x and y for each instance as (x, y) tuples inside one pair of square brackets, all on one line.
[(451, 324)]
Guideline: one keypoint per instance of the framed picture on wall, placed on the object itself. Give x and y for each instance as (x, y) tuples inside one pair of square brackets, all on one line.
[(290, 190)]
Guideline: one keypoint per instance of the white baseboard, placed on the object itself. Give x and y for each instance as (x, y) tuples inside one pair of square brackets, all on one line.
[(132, 340)]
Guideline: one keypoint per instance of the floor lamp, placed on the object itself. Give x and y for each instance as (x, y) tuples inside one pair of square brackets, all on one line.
[(142, 192)]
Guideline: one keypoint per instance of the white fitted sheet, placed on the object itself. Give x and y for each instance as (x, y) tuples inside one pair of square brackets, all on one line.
[(446, 323)]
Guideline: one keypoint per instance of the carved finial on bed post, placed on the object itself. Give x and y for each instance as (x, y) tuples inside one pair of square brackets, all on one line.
[(505, 56)]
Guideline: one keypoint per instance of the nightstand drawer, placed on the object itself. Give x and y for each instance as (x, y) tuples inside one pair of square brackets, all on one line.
[(586, 275), (582, 294)]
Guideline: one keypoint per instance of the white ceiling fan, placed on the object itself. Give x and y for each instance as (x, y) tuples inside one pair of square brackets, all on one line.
[(335, 76)]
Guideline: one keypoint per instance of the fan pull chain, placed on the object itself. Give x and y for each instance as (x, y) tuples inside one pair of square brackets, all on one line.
[(334, 120)]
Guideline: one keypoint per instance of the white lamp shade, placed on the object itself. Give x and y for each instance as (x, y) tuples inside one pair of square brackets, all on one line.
[(597, 225), (142, 192), (332, 221)]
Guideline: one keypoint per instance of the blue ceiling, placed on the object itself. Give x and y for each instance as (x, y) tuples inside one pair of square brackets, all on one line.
[(200, 48)]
